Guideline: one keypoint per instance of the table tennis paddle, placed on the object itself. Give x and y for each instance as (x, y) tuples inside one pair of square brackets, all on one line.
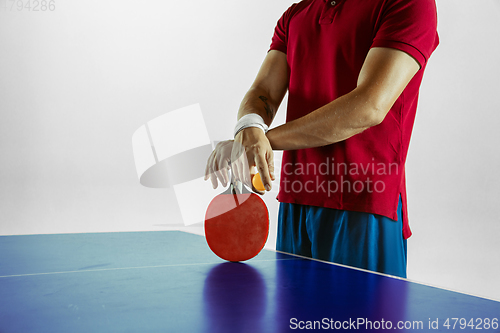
[(236, 224)]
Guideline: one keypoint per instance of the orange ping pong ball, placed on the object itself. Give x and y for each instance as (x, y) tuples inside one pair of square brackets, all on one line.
[(257, 183)]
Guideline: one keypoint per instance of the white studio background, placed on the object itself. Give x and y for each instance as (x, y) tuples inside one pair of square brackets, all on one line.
[(76, 82), (453, 161)]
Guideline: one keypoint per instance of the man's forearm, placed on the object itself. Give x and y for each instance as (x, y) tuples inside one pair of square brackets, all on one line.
[(337, 121), (383, 77), (268, 89), (257, 101)]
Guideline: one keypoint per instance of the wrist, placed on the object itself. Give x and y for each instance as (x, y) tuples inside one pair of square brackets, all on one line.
[(250, 134), (251, 120), (270, 135)]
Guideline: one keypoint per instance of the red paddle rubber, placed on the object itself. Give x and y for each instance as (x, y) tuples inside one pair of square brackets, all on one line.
[(236, 226)]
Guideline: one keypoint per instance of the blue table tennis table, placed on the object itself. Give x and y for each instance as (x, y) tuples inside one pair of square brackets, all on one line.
[(170, 281)]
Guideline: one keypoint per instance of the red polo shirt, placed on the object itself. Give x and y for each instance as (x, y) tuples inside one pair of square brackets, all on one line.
[(326, 43)]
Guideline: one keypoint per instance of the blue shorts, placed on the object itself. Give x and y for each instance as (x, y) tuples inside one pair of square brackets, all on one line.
[(362, 240)]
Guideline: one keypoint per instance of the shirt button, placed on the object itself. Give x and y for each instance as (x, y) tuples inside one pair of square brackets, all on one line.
[(333, 3)]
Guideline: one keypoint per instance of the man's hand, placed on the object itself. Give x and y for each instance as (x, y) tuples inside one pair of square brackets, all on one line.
[(232, 155), (253, 144), (251, 148), (218, 164)]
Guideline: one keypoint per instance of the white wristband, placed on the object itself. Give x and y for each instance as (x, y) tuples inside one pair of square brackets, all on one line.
[(250, 120)]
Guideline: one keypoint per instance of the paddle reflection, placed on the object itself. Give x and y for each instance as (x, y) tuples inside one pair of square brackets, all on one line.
[(234, 298)]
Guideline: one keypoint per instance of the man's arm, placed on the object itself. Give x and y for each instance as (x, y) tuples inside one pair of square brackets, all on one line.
[(383, 77), (268, 89), (263, 98)]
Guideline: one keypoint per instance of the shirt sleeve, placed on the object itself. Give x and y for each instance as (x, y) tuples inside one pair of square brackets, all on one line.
[(409, 26), (280, 38)]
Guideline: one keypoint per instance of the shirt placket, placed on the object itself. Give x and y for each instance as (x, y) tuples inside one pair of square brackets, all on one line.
[(330, 7)]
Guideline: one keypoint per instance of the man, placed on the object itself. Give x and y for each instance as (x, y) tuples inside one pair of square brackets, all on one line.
[(353, 69)]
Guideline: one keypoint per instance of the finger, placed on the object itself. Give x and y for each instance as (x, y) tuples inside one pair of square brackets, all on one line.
[(263, 169), (240, 158), (236, 167), (207, 167), (242, 171), (245, 170), (224, 171), (207, 174), (270, 165), (213, 179), (213, 172), (218, 172), (235, 172), (253, 172)]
